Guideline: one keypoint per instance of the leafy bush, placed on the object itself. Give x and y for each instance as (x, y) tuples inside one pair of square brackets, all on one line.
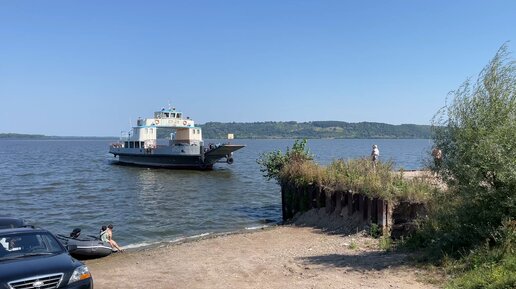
[(477, 135), (272, 163), (375, 231), (471, 228)]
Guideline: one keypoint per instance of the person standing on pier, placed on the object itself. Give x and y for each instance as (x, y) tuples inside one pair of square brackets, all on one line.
[(375, 154)]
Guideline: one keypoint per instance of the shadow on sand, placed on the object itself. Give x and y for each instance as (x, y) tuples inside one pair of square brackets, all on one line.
[(368, 261)]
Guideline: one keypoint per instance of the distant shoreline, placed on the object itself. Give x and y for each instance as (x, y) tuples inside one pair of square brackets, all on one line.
[(16, 136), (286, 130), (316, 130), (45, 137)]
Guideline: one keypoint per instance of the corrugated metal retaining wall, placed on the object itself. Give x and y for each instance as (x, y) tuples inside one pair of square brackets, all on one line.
[(345, 203)]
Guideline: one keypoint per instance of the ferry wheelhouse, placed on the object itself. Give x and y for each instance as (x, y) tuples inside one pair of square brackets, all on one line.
[(170, 140)]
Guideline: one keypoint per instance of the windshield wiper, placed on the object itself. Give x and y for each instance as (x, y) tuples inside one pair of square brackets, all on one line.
[(38, 254)]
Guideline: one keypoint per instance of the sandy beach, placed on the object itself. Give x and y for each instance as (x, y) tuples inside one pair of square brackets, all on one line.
[(277, 257)]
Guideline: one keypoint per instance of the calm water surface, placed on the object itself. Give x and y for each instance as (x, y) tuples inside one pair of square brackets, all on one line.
[(63, 184)]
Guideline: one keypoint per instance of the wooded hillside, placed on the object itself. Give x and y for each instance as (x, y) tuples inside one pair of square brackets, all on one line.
[(315, 129)]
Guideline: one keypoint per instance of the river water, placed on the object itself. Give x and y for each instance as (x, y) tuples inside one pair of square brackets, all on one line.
[(63, 184)]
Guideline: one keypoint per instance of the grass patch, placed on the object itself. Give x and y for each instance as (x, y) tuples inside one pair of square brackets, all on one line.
[(360, 177), (385, 243), (487, 266), (498, 275)]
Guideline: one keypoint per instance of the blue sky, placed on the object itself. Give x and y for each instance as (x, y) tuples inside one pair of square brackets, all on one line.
[(90, 67)]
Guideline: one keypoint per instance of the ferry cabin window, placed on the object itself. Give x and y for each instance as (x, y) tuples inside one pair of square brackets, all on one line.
[(131, 144), (173, 115), (178, 115), (126, 144), (165, 133), (166, 114), (137, 144)]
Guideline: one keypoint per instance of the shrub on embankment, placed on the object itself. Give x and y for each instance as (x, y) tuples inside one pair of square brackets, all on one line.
[(297, 169), (472, 225)]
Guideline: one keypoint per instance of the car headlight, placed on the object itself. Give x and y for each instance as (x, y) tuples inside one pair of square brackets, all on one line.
[(80, 273)]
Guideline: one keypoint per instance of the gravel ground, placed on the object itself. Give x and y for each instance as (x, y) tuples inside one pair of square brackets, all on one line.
[(278, 257)]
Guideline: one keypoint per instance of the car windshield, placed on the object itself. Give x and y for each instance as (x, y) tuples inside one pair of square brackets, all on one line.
[(19, 245)]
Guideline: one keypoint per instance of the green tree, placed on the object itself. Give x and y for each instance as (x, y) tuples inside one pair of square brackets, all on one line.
[(477, 135)]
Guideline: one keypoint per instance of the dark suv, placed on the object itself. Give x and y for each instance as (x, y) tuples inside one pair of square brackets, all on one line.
[(34, 258)]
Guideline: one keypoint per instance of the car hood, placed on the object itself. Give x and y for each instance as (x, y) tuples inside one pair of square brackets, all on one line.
[(39, 265)]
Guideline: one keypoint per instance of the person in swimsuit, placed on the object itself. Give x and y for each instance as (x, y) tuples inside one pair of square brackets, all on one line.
[(106, 235)]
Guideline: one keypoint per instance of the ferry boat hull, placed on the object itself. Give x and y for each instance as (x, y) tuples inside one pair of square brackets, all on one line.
[(204, 161), (169, 162)]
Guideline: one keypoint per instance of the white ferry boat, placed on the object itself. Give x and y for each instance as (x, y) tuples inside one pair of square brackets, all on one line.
[(169, 140)]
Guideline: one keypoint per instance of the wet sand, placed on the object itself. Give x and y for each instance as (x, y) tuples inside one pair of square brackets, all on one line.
[(278, 257)]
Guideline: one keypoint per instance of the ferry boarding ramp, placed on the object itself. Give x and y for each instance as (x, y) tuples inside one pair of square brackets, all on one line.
[(217, 152)]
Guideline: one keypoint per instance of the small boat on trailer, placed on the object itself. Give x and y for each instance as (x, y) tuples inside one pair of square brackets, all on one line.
[(169, 140), (85, 247)]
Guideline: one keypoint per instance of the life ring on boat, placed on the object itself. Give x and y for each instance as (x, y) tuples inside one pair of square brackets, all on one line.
[(184, 122), (157, 121)]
